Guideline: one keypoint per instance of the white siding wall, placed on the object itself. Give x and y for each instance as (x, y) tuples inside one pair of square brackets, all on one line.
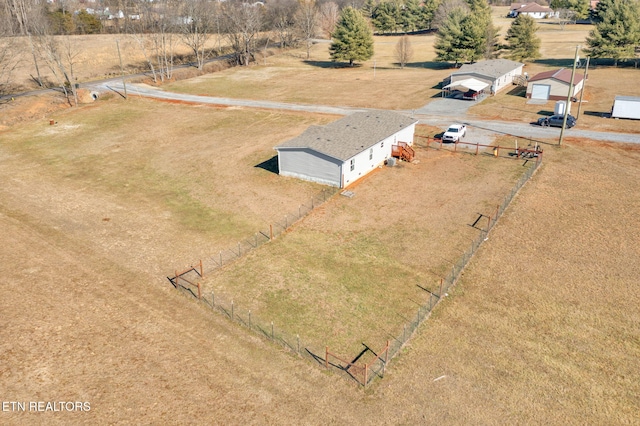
[(374, 156), (309, 165)]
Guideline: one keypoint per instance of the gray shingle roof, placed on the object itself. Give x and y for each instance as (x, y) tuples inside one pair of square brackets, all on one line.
[(493, 68), (350, 135)]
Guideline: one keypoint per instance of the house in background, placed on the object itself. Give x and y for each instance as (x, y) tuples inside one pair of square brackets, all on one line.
[(342, 152), (532, 9), (554, 85), (496, 73)]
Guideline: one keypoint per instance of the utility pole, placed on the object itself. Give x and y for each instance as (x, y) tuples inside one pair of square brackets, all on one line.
[(124, 84), (584, 82), (566, 107)]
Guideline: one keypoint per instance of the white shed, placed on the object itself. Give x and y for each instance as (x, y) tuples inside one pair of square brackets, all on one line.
[(496, 73), (342, 152), (626, 107)]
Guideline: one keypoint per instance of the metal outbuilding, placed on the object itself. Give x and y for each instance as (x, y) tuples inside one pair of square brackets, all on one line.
[(554, 85), (626, 107)]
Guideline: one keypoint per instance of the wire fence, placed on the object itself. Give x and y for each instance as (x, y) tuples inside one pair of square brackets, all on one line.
[(359, 370), (423, 312), (208, 265)]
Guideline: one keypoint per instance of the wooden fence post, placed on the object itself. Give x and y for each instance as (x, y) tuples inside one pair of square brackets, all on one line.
[(326, 356), (271, 330), (477, 147), (213, 300), (201, 271), (366, 374), (249, 318), (271, 232), (441, 287), (199, 291), (386, 356)]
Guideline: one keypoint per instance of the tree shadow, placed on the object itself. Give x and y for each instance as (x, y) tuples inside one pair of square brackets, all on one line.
[(330, 64), (270, 165), (568, 62), (598, 114), (518, 91), (432, 65)]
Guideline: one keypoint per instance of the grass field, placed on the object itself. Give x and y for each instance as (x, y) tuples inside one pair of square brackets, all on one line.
[(95, 211)]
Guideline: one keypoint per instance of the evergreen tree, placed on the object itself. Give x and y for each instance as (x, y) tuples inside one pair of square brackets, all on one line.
[(352, 39), (409, 15), (427, 14), (522, 40), (448, 38), (473, 41), (618, 35), (385, 17)]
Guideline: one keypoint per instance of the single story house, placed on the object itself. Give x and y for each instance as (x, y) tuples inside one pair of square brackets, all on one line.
[(342, 152), (532, 9), (496, 73), (554, 85)]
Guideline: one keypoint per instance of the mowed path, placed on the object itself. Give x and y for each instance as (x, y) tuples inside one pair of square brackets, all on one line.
[(544, 326)]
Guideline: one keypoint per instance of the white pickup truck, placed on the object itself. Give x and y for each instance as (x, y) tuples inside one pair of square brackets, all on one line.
[(454, 133)]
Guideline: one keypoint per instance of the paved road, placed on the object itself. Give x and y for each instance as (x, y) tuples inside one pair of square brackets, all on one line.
[(437, 113)]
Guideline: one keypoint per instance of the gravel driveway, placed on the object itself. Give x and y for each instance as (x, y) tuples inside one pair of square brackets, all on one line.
[(440, 113)]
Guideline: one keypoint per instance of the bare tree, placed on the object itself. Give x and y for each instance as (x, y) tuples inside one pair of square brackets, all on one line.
[(307, 22), (445, 9), (404, 51), (196, 25), (60, 53), (279, 16), (242, 23), (329, 14), (9, 59), (566, 16)]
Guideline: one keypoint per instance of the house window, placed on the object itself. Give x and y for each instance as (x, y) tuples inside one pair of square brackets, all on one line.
[(371, 154), (353, 164), (382, 144)]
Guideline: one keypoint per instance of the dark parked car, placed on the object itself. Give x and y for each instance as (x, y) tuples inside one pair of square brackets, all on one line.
[(556, 121)]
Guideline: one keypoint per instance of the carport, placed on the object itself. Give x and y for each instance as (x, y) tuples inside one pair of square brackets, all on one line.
[(469, 84)]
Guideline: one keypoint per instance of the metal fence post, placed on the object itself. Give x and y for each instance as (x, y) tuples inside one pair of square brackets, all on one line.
[(271, 330), (213, 300)]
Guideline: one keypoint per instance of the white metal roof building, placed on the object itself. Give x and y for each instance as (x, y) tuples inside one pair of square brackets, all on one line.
[(342, 152)]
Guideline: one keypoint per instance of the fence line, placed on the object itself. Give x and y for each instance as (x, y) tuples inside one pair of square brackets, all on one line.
[(203, 267), (375, 368), (452, 277), (515, 152)]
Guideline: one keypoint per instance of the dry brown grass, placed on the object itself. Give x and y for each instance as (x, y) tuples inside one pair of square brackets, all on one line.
[(542, 328), (289, 77), (357, 270)]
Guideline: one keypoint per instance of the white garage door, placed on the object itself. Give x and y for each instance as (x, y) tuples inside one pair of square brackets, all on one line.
[(540, 91)]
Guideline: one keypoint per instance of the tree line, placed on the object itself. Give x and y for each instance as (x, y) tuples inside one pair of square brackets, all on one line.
[(465, 31)]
